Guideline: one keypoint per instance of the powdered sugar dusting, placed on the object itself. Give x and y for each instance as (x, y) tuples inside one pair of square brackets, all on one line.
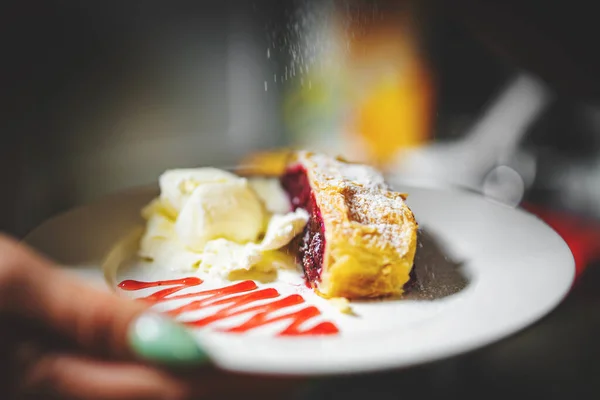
[(344, 174), (382, 213), (363, 202)]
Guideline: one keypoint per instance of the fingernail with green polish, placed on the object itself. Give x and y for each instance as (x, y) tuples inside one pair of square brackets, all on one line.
[(158, 339)]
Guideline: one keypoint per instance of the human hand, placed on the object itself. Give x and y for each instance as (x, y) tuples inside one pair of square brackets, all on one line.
[(62, 339)]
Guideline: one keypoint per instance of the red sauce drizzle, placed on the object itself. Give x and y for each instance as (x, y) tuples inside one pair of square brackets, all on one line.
[(246, 294)]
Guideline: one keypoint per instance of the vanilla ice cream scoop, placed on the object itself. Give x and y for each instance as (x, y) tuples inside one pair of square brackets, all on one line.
[(177, 185), (271, 193), (212, 220), (229, 209)]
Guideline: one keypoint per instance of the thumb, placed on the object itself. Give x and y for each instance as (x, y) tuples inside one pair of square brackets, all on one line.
[(96, 321)]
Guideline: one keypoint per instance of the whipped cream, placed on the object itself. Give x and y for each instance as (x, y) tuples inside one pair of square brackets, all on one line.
[(213, 221), (283, 228), (222, 257)]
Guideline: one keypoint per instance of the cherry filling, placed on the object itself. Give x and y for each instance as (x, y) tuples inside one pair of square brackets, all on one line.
[(311, 246)]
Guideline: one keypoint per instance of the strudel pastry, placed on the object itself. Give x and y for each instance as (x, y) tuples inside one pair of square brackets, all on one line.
[(361, 237)]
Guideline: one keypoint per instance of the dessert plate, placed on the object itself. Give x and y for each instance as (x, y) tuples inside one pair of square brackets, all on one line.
[(483, 271)]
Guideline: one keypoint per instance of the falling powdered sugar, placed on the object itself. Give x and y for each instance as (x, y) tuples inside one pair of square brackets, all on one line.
[(315, 33)]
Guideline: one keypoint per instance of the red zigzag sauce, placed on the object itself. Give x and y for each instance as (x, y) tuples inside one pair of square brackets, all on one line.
[(236, 299)]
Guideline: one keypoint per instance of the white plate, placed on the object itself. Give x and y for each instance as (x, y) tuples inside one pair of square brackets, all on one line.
[(486, 271)]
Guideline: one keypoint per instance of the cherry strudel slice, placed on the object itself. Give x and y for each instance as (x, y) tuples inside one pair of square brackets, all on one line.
[(360, 241)]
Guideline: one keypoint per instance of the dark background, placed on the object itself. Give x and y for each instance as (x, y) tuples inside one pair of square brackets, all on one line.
[(72, 70)]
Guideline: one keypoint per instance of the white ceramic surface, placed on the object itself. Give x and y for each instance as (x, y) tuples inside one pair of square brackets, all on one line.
[(485, 271)]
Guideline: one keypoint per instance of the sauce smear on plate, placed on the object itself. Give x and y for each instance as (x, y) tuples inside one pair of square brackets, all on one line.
[(236, 299)]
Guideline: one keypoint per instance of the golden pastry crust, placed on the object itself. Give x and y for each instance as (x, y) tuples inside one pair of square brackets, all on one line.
[(370, 232), (265, 163)]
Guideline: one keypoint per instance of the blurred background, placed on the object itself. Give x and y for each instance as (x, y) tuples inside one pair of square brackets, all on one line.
[(498, 97)]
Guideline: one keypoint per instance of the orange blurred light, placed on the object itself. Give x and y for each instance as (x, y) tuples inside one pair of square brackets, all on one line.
[(393, 107)]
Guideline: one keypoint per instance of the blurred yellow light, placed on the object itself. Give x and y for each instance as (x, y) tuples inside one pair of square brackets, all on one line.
[(392, 105), (394, 115)]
